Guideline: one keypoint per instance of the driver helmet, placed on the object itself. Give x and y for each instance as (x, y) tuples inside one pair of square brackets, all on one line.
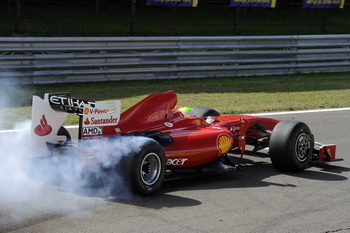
[(187, 112)]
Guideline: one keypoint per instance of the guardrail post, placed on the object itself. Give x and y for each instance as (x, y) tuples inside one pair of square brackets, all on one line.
[(323, 20), (235, 19), (18, 17), (97, 7), (132, 17), (9, 8)]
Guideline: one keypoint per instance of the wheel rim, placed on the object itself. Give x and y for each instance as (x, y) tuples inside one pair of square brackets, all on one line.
[(302, 147), (150, 168)]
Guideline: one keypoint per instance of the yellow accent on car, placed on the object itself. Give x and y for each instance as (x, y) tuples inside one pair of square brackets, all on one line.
[(225, 143)]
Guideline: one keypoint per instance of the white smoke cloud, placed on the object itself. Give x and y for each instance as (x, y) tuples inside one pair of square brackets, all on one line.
[(9, 169), (26, 186)]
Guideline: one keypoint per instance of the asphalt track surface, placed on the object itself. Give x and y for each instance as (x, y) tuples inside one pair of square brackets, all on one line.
[(256, 199)]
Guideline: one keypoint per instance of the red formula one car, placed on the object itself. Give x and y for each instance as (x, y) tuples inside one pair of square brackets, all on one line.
[(161, 142)]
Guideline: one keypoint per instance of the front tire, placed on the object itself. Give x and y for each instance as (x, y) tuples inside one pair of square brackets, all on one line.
[(291, 146)]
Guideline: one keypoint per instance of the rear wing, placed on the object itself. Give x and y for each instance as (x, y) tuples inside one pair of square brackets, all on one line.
[(63, 102), (49, 114)]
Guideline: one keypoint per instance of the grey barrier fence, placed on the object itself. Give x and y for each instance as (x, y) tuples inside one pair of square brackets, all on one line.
[(81, 59)]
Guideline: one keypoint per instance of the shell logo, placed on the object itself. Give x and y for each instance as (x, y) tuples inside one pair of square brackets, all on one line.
[(224, 143)]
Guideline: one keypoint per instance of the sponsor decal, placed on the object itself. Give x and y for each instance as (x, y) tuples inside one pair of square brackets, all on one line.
[(323, 3), (87, 122), (237, 128), (101, 121), (224, 143), (105, 113), (173, 3), (67, 104), (168, 124), (93, 131), (88, 142), (176, 162), (253, 3), (197, 122), (96, 111), (43, 128)]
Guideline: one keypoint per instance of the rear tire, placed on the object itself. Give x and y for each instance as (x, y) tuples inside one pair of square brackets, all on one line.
[(291, 146), (147, 168)]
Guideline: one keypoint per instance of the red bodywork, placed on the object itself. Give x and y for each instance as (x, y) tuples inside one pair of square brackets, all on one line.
[(191, 145), (195, 142), (188, 142)]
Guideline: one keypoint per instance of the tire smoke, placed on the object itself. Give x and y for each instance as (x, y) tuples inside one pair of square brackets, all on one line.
[(32, 187)]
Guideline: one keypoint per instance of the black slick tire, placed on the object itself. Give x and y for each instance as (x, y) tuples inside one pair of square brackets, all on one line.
[(147, 168), (291, 145)]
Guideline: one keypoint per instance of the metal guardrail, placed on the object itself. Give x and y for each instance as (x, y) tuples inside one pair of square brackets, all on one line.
[(80, 59)]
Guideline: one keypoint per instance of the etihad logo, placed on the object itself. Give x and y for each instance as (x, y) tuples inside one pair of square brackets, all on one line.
[(43, 128), (67, 104)]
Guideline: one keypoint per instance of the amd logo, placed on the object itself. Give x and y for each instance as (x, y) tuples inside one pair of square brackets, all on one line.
[(93, 131)]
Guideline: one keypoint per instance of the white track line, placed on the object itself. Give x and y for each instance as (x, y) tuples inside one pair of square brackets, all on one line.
[(300, 112), (252, 114)]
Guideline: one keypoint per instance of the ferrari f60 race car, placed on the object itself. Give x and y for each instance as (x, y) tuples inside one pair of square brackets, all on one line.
[(167, 142)]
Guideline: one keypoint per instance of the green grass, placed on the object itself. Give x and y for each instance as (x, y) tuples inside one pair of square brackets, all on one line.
[(226, 95)]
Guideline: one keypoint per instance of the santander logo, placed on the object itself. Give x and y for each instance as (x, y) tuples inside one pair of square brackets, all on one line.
[(87, 122), (104, 113), (43, 128)]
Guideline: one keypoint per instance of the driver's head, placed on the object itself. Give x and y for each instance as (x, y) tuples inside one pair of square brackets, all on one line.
[(187, 112)]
